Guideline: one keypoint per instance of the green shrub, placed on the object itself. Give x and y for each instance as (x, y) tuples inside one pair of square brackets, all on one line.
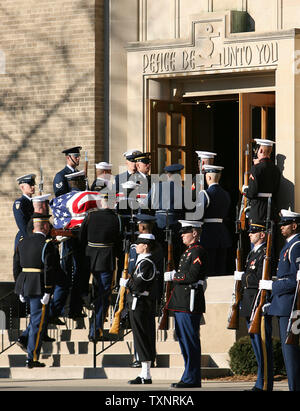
[(243, 361)]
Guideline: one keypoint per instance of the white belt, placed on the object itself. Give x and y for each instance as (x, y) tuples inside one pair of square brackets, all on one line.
[(264, 195), (213, 220)]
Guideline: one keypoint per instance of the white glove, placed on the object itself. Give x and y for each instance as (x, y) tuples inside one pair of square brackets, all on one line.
[(22, 299), (298, 275), (123, 282), (61, 239), (238, 275), (265, 308), (244, 189), (45, 299), (169, 275), (265, 285)]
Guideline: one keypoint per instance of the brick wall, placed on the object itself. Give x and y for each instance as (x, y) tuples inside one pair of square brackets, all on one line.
[(50, 95)]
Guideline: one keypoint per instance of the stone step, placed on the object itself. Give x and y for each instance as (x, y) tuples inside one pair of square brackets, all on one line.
[(103, 360), (77, 372)]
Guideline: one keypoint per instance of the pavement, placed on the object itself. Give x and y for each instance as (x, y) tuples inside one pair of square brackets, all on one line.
[(111, 387)]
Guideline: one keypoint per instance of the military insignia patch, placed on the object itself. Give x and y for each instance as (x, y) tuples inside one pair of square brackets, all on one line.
[(59, 185), (17, 205), (197, 260)]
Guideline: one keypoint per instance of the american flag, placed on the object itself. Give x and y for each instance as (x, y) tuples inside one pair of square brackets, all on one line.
[(69, 210)]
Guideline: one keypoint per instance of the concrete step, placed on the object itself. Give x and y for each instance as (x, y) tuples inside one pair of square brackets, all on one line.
[(103, 360), (59, 373)]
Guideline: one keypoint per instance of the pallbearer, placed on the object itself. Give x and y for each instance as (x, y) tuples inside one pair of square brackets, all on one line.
[(188, 303), (60, 183), (104, 176), (35, 264)]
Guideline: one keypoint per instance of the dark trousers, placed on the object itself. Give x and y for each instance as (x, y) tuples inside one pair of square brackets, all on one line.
[(37, 326), (187, 327), (142, 321), (217, 261), (291, 356), (103, 282), (257, 345)]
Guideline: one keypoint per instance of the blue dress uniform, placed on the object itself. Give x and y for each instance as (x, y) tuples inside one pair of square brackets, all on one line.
[(283, 290), (250, 282), (215, 237), (23, 209), (100, 238), (166, 199), (35, 264), (60, 183), (188, 281)]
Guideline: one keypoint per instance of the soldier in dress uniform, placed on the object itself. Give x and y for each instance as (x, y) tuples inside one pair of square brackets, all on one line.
[(104, 176), (141, 305), (100, 237), (146, 225), (35, 266), (131, 170), (41, 206), (250, 279), (264, 182), (60, 183), (188, 303), (143, 166), (215, 236), (165, 198), (283, 290), (22, 207), (204, 158)]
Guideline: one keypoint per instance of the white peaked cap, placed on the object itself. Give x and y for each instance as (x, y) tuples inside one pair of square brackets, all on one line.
[(191, 223), (74, 175), (205, 154), (103, 165), (212, 168), (289, 213), (130, 184), (264, 142)]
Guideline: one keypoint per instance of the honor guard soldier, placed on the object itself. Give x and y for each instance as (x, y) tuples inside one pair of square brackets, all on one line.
[(104, 176), (22, 207), (41, 206), (250, 279), (188, 303), (130, 174), (264, 182), (204, 158), (215, 237), (141, 305), (283, 290), (146, 225), (35, 265), (60, 183), (165, 198), (143, 166), (100, 239)]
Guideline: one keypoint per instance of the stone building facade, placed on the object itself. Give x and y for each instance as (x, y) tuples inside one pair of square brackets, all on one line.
[(51, 95)]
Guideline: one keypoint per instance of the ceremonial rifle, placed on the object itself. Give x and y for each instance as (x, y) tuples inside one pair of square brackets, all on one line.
[(244, 201), (41, 183), (86, 163), (255, 319), (164, 319), (292, 337), (121, 295), (233, 319)]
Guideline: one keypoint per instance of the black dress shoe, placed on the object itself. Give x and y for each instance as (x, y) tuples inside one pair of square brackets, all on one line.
[(22, 343), (55, 321), (77, 316), (182, 384), (46, 338), (254, 389), (34, 364), (136, 364), (140, 380)]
